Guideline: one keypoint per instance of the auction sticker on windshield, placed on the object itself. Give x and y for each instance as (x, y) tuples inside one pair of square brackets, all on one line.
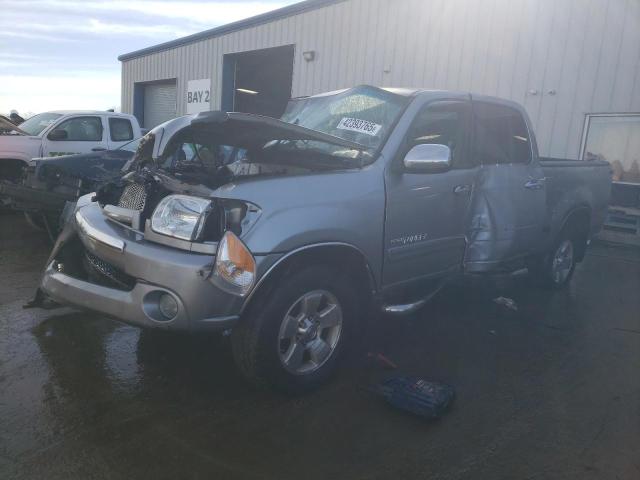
[(360, 126)]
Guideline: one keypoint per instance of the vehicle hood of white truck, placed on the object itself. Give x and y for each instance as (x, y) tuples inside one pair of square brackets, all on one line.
[(19, 146)]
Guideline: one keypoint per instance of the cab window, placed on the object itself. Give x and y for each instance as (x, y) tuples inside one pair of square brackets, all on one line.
[(82, 129), (121, 129), (501, 135), (445, 123)]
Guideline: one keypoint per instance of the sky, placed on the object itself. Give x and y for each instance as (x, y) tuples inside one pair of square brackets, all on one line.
[(63, 54)]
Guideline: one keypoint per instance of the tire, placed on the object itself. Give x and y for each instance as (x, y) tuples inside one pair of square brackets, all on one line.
[(282, 340), (556, 269)]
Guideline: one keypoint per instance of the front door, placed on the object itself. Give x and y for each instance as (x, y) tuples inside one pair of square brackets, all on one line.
[(84, 134), (427, 212)]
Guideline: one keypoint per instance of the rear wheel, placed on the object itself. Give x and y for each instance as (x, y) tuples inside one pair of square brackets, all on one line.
[(294, 338), (556, 269)]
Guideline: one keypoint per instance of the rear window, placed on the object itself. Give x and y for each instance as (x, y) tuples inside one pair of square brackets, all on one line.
[(121, 129), (501, 135)]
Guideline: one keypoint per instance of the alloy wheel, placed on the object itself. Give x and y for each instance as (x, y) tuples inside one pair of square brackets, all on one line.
[(309, 332), (562, 262)]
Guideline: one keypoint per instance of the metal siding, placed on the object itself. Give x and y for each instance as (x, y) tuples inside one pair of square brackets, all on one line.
[(586, 50)]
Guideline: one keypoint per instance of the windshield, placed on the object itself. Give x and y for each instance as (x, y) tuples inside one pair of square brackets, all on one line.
[(36, 124), (364, 115), (132, 146)]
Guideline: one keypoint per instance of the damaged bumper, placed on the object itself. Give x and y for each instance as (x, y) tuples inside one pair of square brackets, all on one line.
[(142, 272)]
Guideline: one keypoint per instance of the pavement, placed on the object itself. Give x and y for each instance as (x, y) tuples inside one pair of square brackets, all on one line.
[(550, 390)]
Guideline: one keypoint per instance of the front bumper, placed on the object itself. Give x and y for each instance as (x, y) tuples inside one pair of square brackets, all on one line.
[(154, 268)]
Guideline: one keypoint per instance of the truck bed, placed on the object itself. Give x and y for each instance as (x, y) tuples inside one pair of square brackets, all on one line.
[(572, 183)]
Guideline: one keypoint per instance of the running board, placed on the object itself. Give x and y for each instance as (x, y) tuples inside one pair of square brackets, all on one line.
[(409, 308)]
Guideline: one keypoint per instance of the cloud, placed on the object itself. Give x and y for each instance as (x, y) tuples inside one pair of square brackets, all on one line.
[(210, 12), (63, 53), (76, 89), (95, 26), (20, 56), (8, 33)]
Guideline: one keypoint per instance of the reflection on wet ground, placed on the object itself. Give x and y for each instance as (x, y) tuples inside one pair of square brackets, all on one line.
[(550, 390)]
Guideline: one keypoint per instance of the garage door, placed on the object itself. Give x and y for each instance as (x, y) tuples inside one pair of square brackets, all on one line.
[(159, 103)]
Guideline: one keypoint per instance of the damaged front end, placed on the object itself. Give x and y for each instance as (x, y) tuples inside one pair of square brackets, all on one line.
[(161, 246)]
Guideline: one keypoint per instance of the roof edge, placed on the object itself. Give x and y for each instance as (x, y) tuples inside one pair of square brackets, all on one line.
[(263, 18)]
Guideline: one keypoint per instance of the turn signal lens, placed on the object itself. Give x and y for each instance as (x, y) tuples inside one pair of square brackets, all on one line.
[(235, 264)]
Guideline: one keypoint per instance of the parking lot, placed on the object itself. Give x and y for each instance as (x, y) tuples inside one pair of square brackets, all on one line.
[(548, 391)]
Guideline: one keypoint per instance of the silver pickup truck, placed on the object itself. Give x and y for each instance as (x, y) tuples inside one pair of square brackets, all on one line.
[(286, 231)]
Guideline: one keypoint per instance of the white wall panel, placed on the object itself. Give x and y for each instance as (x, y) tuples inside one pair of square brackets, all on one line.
[(588, 51)]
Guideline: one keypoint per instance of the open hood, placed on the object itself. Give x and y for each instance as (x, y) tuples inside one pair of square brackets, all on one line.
[(243, 130)]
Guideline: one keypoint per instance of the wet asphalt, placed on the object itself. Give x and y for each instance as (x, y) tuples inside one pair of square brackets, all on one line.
[(551, 390)]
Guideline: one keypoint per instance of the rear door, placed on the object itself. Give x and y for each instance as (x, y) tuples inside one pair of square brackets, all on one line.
[(513, 185), (84, 134), (427, 212)]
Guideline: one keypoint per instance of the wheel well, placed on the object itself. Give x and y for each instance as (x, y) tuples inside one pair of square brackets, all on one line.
[(578, 225), (11, 169), (346, 260)]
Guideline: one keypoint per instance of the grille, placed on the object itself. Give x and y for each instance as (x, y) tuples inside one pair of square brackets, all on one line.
[(133, 197), (106, 274)]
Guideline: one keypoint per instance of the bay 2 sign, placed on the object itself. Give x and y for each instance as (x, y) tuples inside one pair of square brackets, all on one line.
[(199, 95)]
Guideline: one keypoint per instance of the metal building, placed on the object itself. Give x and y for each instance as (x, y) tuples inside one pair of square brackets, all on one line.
[(574, 64)]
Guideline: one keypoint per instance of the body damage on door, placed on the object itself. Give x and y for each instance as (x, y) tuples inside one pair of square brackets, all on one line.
[(491, 235)]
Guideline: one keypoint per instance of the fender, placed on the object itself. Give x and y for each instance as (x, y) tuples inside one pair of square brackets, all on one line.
[(570, 213), (372, 282)]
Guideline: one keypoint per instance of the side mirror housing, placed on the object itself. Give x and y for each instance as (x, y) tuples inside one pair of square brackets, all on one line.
[(428, 158), (58, 134)]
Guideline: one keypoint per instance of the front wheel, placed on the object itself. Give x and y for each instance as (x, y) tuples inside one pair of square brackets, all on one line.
[(557, 268), (295, 338)]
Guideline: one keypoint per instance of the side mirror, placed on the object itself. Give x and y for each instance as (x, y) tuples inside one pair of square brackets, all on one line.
[(428, 158), (58, 134)]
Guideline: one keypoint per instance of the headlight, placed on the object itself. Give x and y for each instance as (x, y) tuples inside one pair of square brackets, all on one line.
[(235, 265), (180, 216)]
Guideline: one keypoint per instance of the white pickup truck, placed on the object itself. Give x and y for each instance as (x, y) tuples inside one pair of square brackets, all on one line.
[(63, 132)]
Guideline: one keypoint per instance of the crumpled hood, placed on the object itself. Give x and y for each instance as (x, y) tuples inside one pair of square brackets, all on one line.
[(240, 129)]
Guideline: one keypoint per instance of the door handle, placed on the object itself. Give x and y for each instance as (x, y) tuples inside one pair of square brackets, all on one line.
[(461, 188), (98, 149), (534, 184)]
